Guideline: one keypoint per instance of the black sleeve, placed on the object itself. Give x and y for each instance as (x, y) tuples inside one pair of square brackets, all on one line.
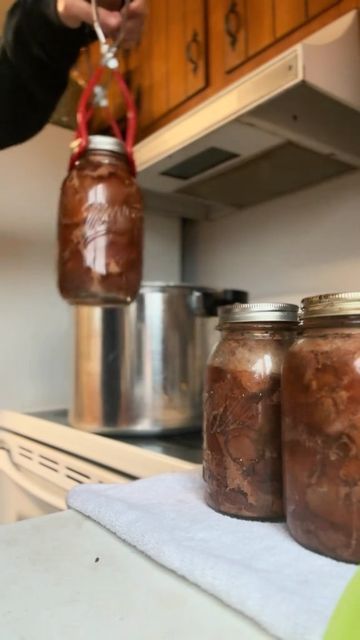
[(35, 58)]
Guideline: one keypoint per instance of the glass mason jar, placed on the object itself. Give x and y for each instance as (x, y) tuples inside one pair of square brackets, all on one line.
[(321, 427), (100, 228), (242, 431)]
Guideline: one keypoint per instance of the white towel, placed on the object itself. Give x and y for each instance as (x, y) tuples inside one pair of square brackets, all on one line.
[(254, 567)]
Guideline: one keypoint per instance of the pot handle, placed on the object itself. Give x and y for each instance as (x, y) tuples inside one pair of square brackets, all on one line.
[(211, 302), (230, 296)]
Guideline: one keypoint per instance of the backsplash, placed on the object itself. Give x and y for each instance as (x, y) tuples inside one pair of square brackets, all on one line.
[(35, 325), (281, 251)]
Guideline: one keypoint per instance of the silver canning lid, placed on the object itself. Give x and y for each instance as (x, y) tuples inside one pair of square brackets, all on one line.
[(258, 312), (106, 143), (330, 304)]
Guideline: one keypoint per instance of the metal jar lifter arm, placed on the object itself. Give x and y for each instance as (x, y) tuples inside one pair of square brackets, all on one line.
[(94, 94)]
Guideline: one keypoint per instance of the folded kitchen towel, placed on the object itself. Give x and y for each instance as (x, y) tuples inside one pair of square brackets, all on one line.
[(254, 567)]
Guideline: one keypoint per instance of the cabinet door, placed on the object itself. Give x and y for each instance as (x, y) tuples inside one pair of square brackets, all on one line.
[(173, 56), (289, 15), (142, 69), (187, 50), (317, 6), (176, 60), (234, 32), (195, 49), (155, 64), (260, 25), (167, 68)]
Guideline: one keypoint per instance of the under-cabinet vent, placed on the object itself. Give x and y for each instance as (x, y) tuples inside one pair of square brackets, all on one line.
[(284, 169), (199, 163)]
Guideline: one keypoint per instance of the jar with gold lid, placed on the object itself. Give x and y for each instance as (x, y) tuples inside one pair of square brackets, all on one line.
[(242, 430), (321, 427)]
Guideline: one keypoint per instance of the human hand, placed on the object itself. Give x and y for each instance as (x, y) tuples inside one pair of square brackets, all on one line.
[(73, 12)]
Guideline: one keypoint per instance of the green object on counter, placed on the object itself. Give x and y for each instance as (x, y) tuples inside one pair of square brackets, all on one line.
[(345, 621)]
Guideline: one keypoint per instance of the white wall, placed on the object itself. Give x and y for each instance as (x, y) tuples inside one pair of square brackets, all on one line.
[(35, 325), (294, 246)]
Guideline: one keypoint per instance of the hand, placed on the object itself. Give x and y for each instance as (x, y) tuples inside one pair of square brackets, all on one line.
[(73, 12)]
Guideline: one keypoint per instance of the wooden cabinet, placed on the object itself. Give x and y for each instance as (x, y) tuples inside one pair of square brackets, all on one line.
[(176, 52), (155, 57), (194, 48), (173, 56), (234, 21), (248, 27), (288, 16), (168, 67), (259, 25), (317, 6)]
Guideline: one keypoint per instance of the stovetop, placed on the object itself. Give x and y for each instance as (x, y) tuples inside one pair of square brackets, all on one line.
[(185, 446)]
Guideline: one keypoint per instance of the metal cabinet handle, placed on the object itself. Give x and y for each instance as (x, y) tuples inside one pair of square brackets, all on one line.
[(193, 52), (233, 23)]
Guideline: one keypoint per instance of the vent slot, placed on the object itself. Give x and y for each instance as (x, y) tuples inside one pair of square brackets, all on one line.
[(74, 479), (25, 449), (48, 460), (199, 163), (48, 463), (281, 170), (78, 473), (48, 466), (26, 453)]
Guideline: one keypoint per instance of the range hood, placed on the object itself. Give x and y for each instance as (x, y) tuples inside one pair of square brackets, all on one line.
[(292, 123)]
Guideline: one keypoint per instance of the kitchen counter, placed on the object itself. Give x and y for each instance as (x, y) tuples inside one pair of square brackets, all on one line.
[(64, 576)]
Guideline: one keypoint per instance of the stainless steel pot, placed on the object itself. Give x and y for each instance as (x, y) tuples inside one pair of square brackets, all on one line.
[(139, 368)]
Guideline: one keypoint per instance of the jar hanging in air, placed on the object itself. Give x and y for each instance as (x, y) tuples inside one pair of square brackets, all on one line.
[(100, 227)]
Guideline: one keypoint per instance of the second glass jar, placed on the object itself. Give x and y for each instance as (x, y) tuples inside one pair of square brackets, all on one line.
[(321, 427), (242, 430)]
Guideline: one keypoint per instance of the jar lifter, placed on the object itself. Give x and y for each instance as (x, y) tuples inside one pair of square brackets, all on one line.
[(95, 95)]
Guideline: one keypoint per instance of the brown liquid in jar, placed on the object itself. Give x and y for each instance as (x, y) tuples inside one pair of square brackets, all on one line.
[(321, 440), (242, 429), (100, 231)]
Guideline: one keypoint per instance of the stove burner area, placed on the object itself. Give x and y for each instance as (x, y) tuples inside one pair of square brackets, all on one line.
[(185, 446)]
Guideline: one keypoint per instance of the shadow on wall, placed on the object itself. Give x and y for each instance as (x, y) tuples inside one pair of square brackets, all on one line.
[(294, 246), (35, 327), (33, 173), (16, 249)]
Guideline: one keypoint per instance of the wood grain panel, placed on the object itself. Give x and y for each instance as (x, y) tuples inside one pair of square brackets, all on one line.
[(158, 55), (260, 25), (289, 15), (317, 6), (195, 46), (177, 65), (234, 21)]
